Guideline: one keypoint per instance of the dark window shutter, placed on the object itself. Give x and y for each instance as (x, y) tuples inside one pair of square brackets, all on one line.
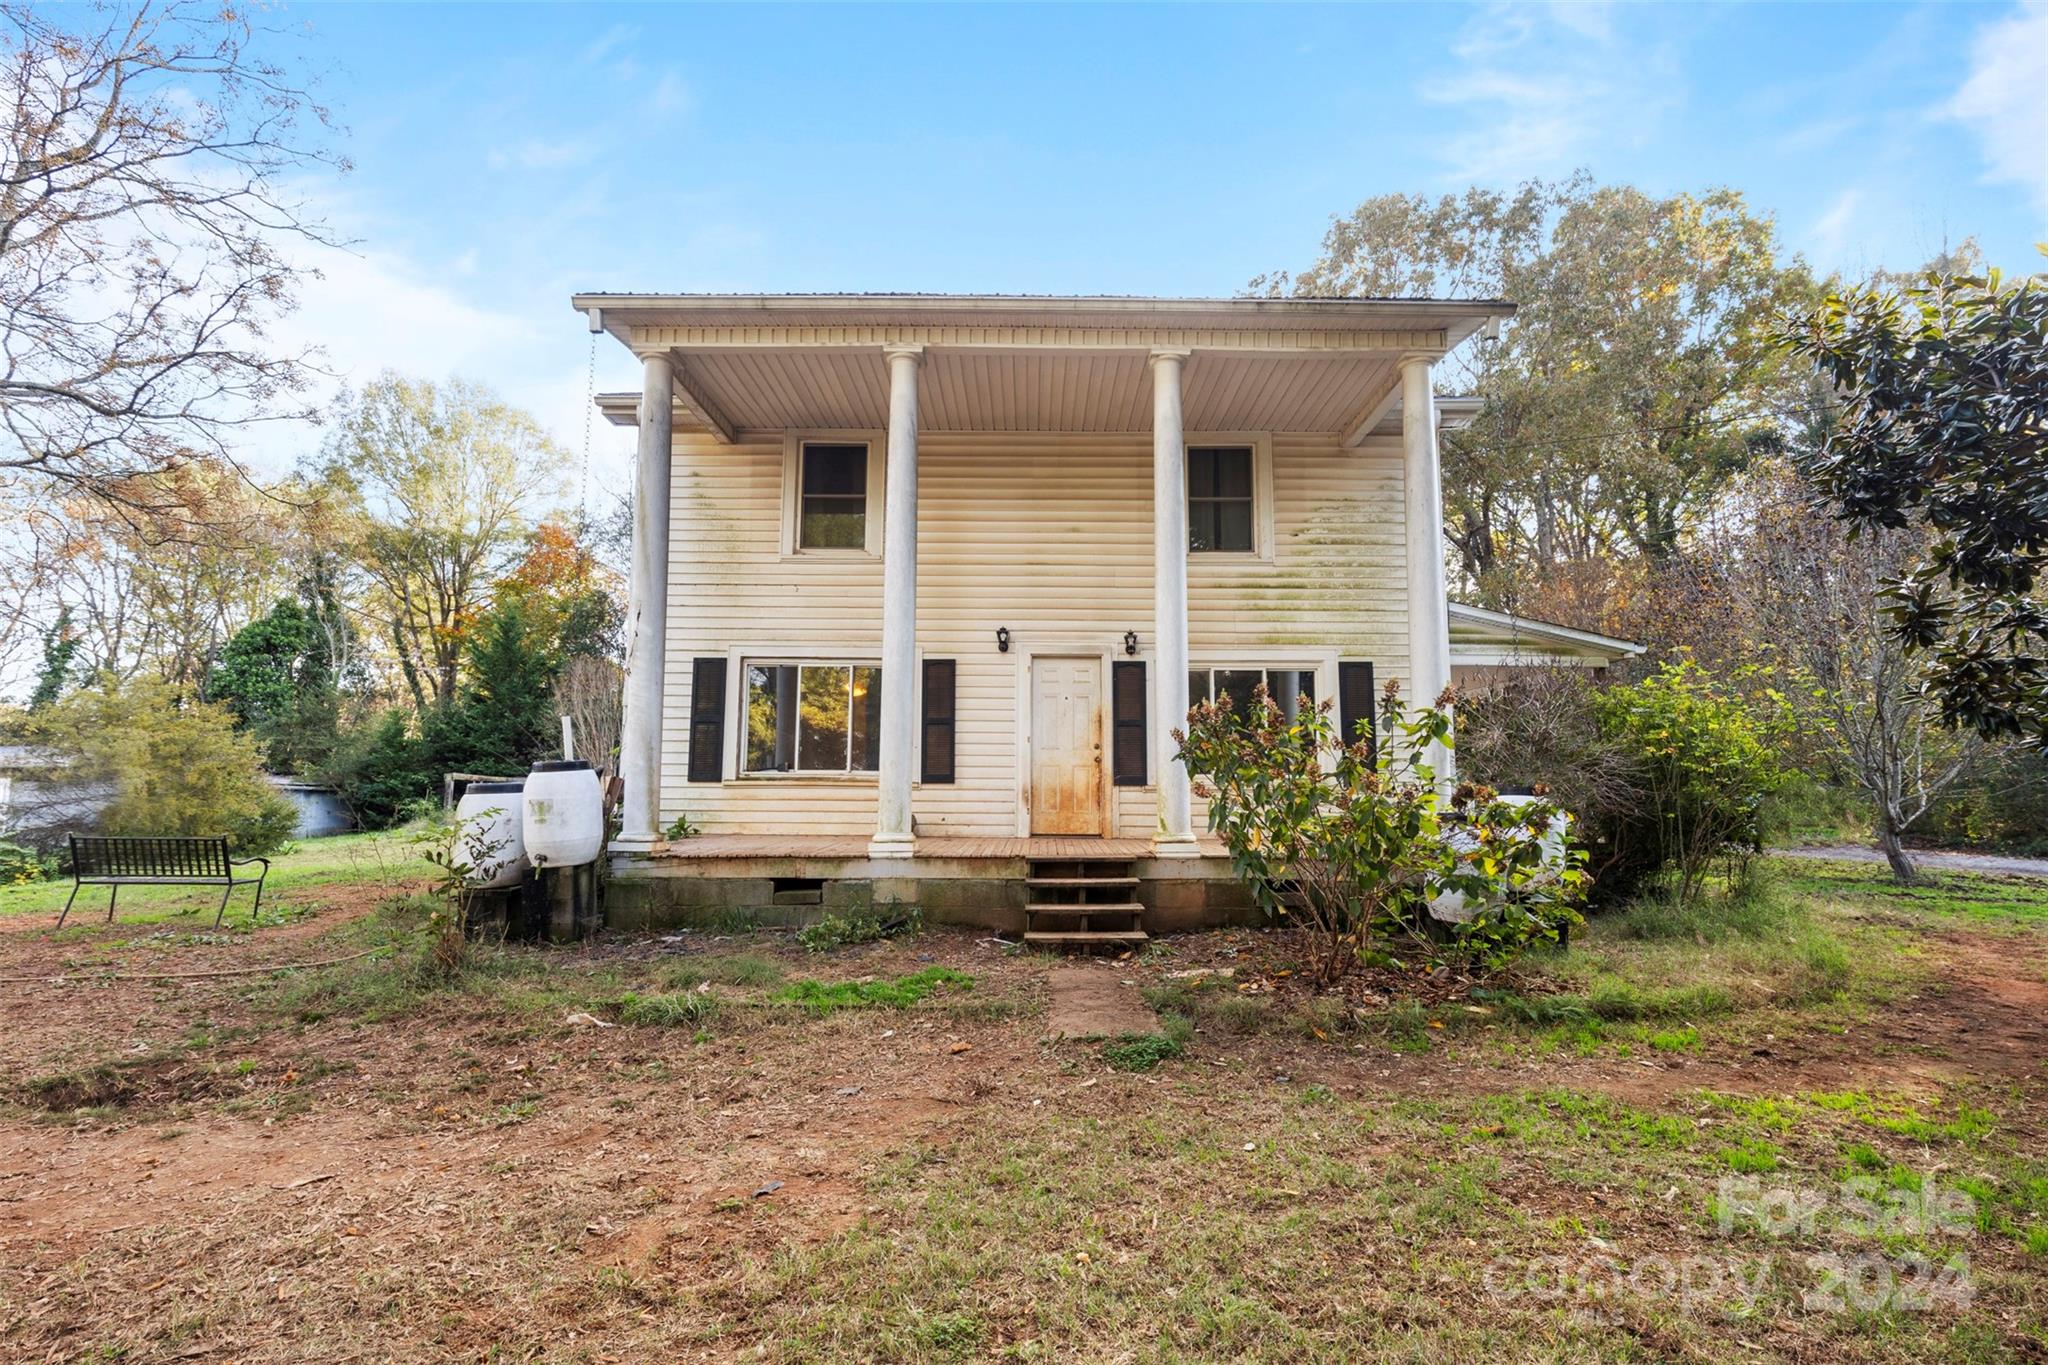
[(1127, 706), (1355, 701), (707, 720), (937, 748)]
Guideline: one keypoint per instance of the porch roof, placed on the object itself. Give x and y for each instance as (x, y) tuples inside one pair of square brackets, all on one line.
[(1482, 636), (1016, 363)]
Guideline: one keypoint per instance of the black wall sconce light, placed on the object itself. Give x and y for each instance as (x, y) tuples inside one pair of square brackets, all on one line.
[(1002, 639), (1130, 642)]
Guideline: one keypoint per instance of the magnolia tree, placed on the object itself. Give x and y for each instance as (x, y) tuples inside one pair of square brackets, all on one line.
[(1942, 392), (1367, 838)]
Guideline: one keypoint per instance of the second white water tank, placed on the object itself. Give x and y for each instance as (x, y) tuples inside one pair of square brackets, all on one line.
[(563, 817)]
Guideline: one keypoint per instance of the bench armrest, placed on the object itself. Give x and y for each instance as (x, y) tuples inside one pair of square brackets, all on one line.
[(244, 862)]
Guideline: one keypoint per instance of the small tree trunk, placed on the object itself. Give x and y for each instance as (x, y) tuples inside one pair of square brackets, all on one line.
[(1894, 850)]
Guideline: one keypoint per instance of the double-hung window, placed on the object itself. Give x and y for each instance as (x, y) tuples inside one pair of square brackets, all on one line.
[(1220, 500), (832, 505), (1291, 688), (813, 718)]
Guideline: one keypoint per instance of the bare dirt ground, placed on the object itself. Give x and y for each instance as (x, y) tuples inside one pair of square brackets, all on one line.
[(476, 1182)]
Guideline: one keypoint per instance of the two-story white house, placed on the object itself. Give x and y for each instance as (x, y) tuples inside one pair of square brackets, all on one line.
[(921, 585)]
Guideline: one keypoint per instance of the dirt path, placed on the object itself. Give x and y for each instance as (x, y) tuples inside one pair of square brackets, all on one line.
[(1096, 1001), (1937, 860)]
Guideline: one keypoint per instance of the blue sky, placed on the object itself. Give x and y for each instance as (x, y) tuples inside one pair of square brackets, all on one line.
[(508, 156)]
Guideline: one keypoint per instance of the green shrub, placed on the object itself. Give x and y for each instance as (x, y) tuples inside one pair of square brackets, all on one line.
[(1368, 841), (19, 866), (1540, 729), (176, 766), (381, 768), (1709, 764), (833, 930)]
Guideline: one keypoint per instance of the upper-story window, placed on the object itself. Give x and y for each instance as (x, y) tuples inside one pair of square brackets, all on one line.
[(832, 510), (1220, 499)]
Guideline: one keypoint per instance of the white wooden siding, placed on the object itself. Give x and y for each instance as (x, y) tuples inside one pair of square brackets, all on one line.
[(1049, 535)]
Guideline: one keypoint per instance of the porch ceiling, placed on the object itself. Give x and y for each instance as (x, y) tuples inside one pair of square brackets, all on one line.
[(1034, 391)]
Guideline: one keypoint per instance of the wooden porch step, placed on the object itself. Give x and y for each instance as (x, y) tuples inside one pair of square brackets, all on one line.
[(1072, 903), (1085, 908), (1086, 937), (1082, 883)]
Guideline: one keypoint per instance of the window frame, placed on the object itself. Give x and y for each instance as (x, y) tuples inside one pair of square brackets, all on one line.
[(736, 717), (793, 493), (1321, 662), (1261, 446), (1319, 670)]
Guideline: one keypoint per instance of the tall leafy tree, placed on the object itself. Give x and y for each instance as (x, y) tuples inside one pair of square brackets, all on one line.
[(1796, 604), (263, 666), (60, 647), (1943, 395), (502, 718), (1634, 379), (571, 598), (277, 678), (431, 487), (158, 592)]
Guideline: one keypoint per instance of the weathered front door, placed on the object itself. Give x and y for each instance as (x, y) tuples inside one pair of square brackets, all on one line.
[(1066, 746)]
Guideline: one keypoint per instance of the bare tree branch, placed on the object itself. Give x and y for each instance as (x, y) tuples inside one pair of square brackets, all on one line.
[(144, 214)]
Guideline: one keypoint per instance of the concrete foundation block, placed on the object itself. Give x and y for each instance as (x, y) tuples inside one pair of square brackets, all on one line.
[(896, 891), (850, 897)]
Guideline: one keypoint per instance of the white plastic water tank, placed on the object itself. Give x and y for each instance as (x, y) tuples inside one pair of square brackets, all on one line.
[(491, 833), (1450, 906), (1554, 836), (564, 814)]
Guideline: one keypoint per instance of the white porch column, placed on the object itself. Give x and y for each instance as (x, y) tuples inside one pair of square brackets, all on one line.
[(1175, 837), (647, 613), (1429, 629), (893, 834)]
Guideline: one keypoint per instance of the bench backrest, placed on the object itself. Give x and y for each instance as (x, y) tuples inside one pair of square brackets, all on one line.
[(97, 856)]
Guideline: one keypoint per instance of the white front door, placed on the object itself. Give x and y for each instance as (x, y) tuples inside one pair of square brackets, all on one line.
[(1066, 746)]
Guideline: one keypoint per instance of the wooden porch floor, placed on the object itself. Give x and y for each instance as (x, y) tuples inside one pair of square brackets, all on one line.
[(1049, 847)]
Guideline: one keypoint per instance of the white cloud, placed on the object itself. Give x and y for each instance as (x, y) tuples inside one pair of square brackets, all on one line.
[(1545, 89), (538, 155), (606, 42), (1588, 18), (1816, 136), (671, 95), (1830, 235), (2005, 98), (374, 311)]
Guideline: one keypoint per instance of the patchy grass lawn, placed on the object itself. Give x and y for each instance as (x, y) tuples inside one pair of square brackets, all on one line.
[(1806, 1123), (310, 873)]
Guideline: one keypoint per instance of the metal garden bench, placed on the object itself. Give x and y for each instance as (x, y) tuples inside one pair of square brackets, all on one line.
[(115, 863)]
